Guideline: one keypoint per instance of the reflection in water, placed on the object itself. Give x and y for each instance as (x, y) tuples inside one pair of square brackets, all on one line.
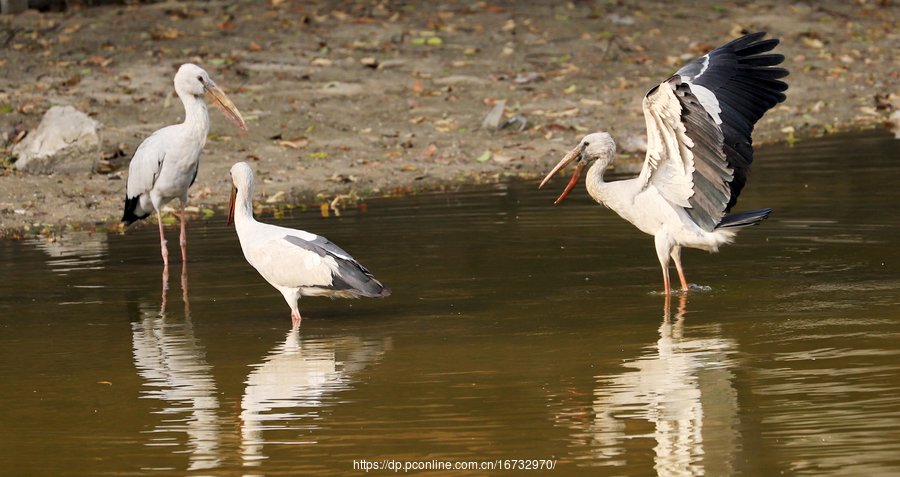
[(74, 251), (288, 390), (829, 406), (682, 388), (170, 359)]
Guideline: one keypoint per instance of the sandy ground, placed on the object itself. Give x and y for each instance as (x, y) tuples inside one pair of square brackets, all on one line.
[(375, 98)]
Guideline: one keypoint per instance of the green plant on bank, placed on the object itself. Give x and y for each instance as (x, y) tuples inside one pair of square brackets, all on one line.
[(8, 163)]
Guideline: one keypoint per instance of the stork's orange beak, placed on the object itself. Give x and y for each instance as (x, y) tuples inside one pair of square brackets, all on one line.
[(220, 100), (574, 155), (231, 207)]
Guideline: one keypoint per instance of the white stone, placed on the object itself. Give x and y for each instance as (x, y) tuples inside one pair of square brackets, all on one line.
[(67, 140)]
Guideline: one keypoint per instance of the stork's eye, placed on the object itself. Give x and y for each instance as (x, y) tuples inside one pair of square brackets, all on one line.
[(200, 79)]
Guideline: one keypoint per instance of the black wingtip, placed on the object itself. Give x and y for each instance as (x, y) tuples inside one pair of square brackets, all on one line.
[(744, 219), (129, 217)]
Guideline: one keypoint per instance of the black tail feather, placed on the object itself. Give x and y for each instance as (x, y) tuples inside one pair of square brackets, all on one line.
[(743, 219), (129, 217)]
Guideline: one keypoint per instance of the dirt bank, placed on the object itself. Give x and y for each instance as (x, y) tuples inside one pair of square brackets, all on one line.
[(380, 98)]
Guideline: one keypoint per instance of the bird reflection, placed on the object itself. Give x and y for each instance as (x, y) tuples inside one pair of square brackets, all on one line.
[(682, 388), (184, 291), (171, 360), (288, 390)]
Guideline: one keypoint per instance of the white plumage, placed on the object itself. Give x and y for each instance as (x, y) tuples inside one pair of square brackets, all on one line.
[(699, 149), (295, 262), (165, 165)]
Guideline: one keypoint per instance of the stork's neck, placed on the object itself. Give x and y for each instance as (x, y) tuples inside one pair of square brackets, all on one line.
[(243, 208), (594, 180), (196, 117)]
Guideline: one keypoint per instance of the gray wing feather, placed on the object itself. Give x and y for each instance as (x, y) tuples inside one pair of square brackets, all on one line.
[(351, 275), (145, 165), (712, 174)]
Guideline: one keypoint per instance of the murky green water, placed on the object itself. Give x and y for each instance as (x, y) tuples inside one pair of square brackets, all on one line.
[(517, 330)]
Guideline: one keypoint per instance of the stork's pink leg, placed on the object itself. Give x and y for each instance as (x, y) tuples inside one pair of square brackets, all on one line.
[(666, 284), (162, 241), (183, 240), (664, 248), (295, 318), (676, 255)]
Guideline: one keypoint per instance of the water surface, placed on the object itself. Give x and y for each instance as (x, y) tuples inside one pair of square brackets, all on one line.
[(517, 330)]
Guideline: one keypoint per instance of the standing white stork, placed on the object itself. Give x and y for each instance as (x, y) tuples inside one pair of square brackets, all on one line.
[(295, 262), (165, 165), (699, 150)]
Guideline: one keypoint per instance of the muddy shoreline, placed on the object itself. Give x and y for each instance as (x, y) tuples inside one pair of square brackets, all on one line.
[(354, 100)]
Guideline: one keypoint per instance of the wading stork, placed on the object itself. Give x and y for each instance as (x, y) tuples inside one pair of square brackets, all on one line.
[(699, 150), (165, 165), (295, 262)]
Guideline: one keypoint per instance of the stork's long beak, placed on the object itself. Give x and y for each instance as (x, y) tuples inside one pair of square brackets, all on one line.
[(231, 207), (573, 155), (221, 101)]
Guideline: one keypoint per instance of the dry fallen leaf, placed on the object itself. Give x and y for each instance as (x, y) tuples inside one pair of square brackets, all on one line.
[(297, 143), (813, 43), (162, 32), (492, 120), (429, 151), (417, 87), (254, 46), (409, 168), (417, 120), (276, 197), (98, 60), (869, 110), (564, 113)]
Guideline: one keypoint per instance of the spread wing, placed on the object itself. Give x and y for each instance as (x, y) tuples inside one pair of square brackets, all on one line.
[(699, 126)]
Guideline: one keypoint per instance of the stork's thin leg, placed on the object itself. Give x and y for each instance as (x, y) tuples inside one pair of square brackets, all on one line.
[(664, 247), (183, 239), (667, 286), (676, 255), (162, 240), (295, 319)]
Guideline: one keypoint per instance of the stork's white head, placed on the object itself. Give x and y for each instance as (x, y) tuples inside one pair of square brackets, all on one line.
[(242, 176), (594, 148), (193, 80), (597, 146), (242, 181)]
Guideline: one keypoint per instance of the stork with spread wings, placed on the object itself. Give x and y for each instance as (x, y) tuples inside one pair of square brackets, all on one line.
[(699, 150)]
